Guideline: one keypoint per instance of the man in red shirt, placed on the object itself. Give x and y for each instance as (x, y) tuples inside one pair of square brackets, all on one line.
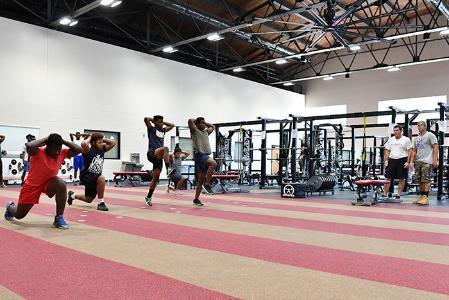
[(42, 177)]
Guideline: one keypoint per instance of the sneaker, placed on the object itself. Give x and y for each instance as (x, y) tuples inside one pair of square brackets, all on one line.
[(60, 223), (149, 201), (102, 206), (70, 197), (383, 198), (417, 200), (178, 192), (424, 200), (2, 185), (397, 197), (197, 202), (8, 214), (207, 189)]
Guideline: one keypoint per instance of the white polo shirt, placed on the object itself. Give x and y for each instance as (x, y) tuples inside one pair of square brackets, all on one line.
[(398, 147)]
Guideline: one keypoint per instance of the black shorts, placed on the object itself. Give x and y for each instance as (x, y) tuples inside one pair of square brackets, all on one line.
[(395, 168), (90, 185), (157, 162)]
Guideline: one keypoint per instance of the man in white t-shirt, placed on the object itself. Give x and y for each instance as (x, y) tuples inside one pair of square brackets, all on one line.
[(396, 153)]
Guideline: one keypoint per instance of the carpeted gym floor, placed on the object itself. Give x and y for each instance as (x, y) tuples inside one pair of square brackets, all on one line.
[(250, 246)]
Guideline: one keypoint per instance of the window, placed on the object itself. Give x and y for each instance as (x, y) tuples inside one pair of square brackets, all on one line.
[(422, 103), (114, 153)]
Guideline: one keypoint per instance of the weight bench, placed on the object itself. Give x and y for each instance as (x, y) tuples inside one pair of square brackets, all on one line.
[(133, 177), (368, 191), (223, 186)]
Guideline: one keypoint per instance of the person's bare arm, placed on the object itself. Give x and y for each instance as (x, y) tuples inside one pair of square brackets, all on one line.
[(148, 121), (72, 137), (411, 157), (109, 144), (33, 146), (186, 154), (386, 156), (168, 126), (210, 128), (191, 124), (85, 145), (74, 149), (2, 138), (435, 156)]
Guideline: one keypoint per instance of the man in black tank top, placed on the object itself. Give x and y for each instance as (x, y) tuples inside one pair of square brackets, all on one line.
[(94, 148), (157, 152)]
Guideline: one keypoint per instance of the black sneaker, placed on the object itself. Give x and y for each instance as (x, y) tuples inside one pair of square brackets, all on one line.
[(102, 206), (208, 189), (70, 197), (397, 197), (197, 202)]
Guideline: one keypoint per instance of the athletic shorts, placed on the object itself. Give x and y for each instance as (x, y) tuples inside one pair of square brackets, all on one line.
[(422, 172), (90, 185), (78, 162), (200, 162), (175, 177), (157, 162), (396, 169), (30, 194)]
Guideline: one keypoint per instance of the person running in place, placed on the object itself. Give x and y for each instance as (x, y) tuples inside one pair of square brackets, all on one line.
[(78, 161), (424, 156), (46, 157), (397, 151), (157, 152), (204, 165), (94, 148), (176, 163)]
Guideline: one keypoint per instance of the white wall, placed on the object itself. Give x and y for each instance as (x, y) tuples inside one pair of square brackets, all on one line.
[(63, 83)]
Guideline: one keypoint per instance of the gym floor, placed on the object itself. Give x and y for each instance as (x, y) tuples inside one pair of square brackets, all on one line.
[(253, 246)]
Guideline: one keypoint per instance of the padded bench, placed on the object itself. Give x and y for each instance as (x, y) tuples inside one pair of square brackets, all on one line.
[(133, 177), (368, 191)]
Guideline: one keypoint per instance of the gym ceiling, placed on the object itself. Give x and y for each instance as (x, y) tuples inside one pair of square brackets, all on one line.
[(276, 42)]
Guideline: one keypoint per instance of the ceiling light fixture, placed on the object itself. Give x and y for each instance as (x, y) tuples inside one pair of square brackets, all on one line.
[(355, 47), (65, 20), (214, 37), (393, 69), (116, 3), (237, 70), (281, 61), (444, 32), (73, 23), (288, 84), (169, 49), (328, 77), (110, 3)]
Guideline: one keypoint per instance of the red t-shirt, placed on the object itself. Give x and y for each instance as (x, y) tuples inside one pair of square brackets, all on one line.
[(43, 167)]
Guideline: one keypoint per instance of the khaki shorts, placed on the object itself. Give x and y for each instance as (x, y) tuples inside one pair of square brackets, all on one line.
[(422, 172)]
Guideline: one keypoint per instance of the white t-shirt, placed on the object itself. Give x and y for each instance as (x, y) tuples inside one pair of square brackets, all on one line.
[(398, 147)]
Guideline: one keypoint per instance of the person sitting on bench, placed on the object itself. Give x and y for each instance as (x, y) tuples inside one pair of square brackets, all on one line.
[(178, 180)]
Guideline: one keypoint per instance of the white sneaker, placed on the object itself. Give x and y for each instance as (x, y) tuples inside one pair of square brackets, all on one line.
[(178, 192)]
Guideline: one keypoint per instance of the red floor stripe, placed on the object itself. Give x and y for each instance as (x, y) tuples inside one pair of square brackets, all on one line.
[(336, 201), (37, 269), (331, 211), (402, 272), (340, 228)]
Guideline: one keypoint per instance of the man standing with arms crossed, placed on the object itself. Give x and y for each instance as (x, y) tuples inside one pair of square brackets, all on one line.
[(425, 156), (396, 153)]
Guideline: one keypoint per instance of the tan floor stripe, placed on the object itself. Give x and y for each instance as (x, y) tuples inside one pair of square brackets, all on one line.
[(382, 223), (415, 251), (230, 274), (300, 203), (6, 294)]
